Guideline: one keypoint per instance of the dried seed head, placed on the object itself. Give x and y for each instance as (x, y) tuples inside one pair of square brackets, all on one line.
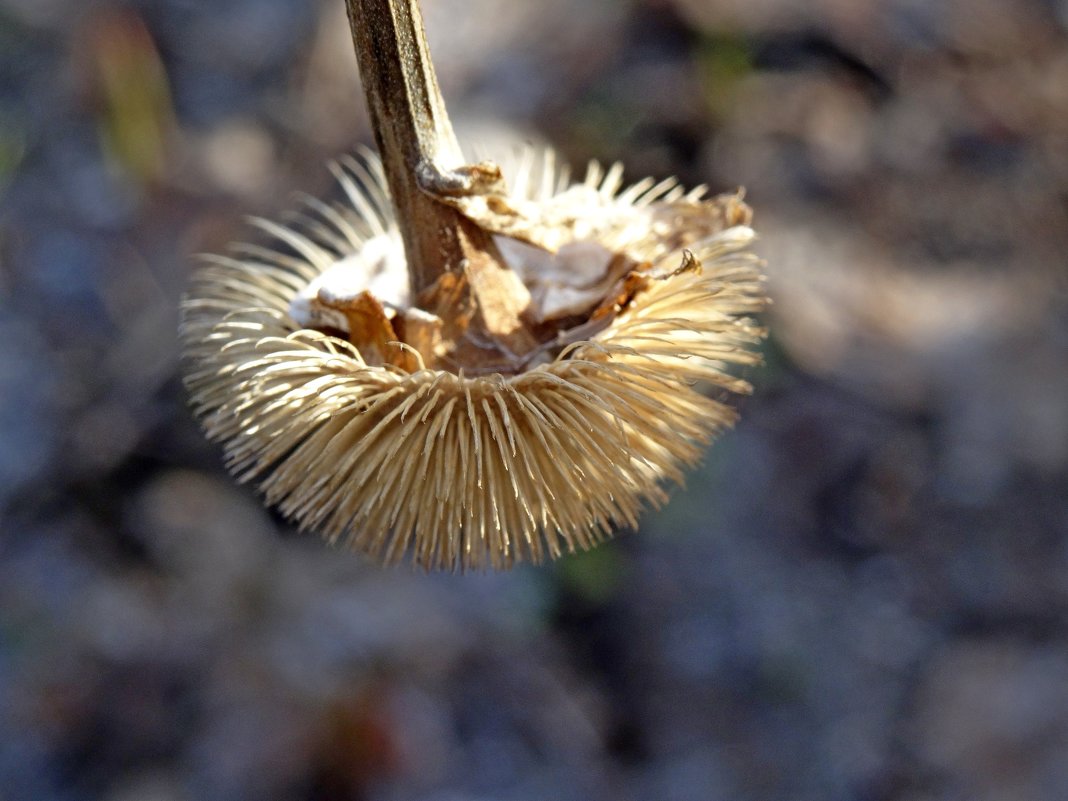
[(385, 421)]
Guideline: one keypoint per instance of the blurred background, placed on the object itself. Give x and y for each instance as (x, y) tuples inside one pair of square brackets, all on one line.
[(862, 595)]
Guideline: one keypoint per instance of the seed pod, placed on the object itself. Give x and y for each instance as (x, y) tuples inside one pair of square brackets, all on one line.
[(414, 421)]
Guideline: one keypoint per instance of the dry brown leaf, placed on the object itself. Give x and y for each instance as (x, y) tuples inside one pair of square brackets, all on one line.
[(370, 329)]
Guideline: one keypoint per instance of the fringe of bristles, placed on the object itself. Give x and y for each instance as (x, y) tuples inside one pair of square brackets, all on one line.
[(461, 472)]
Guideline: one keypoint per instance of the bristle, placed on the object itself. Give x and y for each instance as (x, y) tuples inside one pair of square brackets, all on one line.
[(463, 472)]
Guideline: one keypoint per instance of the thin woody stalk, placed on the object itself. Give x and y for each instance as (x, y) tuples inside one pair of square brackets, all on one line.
[(415, 139)]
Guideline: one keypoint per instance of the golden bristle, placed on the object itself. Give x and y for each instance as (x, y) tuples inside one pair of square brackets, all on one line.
[(467, 471)]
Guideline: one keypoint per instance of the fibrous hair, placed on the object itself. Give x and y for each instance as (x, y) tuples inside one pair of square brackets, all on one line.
[(470, 470)]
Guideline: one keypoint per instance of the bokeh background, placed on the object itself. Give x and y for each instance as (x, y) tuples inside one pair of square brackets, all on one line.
[(862, 595)]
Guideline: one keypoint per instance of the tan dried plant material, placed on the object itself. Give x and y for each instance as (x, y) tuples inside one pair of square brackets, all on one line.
[(472, 426)]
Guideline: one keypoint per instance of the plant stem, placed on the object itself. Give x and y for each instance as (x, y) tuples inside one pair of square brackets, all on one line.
[(482, 302), (415, 139)]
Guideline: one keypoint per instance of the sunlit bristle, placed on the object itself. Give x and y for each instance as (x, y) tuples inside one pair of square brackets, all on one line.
[(454, 471)]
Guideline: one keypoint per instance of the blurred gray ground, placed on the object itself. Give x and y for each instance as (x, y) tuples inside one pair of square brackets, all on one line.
[(861, 596)]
